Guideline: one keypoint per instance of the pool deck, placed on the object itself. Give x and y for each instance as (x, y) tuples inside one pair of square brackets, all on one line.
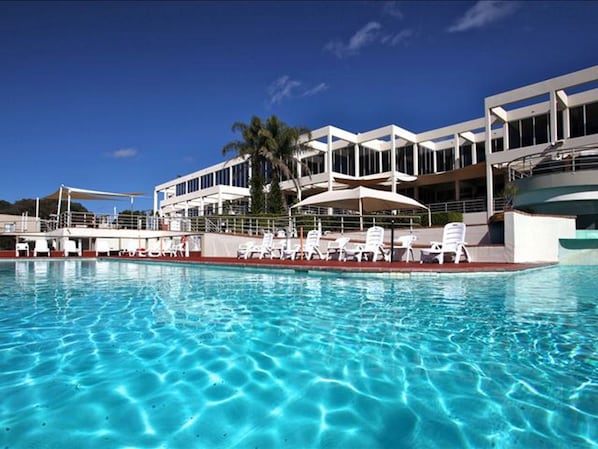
[(314, 264)]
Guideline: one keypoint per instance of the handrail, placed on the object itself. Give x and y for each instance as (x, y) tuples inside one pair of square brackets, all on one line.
[(554, 160)]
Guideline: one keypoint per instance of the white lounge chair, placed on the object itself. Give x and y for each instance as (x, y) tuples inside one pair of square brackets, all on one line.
[(265, 249), (41, 246), (405, 243), (310, 248), (70, 247), (336, 249), (373, 246), (453, 244), (244, 249), (21, 247), (103, 247)]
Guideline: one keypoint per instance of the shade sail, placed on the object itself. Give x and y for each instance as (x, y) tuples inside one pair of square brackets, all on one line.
[(362, 199), (86, 194)]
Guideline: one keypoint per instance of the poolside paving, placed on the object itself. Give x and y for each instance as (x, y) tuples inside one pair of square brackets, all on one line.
[(316, 264)]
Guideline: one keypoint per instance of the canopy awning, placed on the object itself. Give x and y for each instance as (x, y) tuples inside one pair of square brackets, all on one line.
[(86, 194)]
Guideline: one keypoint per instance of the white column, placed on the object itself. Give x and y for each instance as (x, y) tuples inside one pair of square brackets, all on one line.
[(328, 158), (415, 159), (456, 155), (489, 178), (393, 162), (356, 155)]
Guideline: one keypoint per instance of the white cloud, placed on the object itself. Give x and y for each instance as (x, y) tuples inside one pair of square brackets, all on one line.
[(123, 153), (316, 90), (285, 87), (482, 13), (282, 88), (396, 39), (362, 38), (392, 9)]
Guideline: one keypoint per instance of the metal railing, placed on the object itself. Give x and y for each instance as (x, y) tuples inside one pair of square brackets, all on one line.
[(309, 218), (554, 161)]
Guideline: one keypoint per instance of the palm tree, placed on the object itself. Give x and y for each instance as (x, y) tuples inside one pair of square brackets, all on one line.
[(282, 143), (252, 145)]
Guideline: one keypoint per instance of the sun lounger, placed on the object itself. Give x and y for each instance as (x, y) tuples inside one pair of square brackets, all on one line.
[(41, 246), (308, 250), (372, 248), (452, 245)]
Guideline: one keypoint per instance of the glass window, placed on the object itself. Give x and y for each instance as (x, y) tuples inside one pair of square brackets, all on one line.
[(560, 132), (386, 161), (576, 121), (445, 160), (193, 185), (181, 189), (514, 134), (405, 159), (541, 129), (425, 160), (369, 162), (527, 132), (343, 161), (207, 181), (465, 158), (498, 145), (315, 164), (223, 177), (241, 175), (480, 151), (592, 118)]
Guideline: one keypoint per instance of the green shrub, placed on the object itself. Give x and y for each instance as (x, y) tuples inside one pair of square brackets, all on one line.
[(442, 218)]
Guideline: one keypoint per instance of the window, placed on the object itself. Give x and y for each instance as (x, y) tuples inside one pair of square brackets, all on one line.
[(592, 118), (405, 159), (343, 161), (181, 189), (207, 181), (386, 161), (223, 177), (541, 129), (193, 185), (445, 160), (425, 160), (480, 151), (527, 132), (576, 121), (241, 175), (498, 145), (315, 164), (514, 134), (369, 162), (465, 155)]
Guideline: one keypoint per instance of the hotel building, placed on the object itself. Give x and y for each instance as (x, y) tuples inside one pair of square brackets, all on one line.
[(542, 138)]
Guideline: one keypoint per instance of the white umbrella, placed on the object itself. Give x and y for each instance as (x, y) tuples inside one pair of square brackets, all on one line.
[(362, 199)]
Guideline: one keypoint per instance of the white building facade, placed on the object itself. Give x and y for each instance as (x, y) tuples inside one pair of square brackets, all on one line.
[(462, 165)]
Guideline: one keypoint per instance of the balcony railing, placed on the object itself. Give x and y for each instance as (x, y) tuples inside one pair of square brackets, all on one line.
[(554, 161)]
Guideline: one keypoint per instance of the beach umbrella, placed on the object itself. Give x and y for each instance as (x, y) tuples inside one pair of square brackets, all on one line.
[(363, 200)]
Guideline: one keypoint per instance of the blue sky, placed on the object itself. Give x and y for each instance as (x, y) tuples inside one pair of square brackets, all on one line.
[(122, 96)]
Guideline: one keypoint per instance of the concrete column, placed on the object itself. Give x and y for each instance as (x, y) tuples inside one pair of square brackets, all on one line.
[(489, 178), (393, 162)]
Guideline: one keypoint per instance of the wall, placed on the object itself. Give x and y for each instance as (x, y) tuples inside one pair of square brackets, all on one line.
[(535, 238)]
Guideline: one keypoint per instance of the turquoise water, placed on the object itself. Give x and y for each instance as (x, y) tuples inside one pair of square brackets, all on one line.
[(112, 354)]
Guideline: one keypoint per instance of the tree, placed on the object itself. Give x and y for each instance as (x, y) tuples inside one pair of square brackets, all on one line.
[(253, 146), (283, 147), (28, 205)]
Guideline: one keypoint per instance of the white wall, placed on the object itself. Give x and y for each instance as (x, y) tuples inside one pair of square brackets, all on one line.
[(535, 238)]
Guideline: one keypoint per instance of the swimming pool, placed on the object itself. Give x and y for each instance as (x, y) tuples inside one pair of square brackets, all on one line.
[(111, 354)]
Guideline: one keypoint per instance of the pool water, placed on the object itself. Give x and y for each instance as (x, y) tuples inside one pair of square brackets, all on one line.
[(110, 354)]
